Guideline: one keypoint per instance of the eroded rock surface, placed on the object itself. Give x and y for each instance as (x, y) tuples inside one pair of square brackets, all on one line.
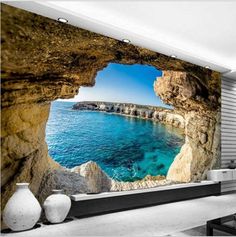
[(200, 103), (24, 153), (43, 59), (64, 179), (96, 179), (147, 182)]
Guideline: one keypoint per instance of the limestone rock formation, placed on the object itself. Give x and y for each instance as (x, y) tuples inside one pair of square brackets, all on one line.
[(23, 148), (187, 92), (64, 179), (181, 167), (147, 182), (201, 107), (43, 60), (96, 179), (159, 114)]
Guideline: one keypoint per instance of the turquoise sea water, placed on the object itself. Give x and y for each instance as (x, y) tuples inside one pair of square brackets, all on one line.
[(126, 148)]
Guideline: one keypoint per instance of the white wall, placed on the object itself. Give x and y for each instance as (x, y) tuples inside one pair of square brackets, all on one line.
[(228, 128)]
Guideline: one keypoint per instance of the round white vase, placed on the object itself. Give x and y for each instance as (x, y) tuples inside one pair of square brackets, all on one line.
[(57, 206), (22, 210)]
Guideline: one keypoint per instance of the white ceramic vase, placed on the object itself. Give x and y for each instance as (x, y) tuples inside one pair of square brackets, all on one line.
[(57, 206), (22, 210)]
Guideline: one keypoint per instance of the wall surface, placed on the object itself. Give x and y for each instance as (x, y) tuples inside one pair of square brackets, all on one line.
[(228, 128), (43, 60)]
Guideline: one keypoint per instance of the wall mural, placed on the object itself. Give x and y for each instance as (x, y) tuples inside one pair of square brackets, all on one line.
[(148, 120)]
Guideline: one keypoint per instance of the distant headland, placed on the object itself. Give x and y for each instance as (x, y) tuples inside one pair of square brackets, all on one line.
[(155, 113)]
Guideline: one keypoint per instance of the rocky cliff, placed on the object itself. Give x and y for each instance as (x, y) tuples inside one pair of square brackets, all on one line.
[(43, 60), (163, 115), (200, 102)]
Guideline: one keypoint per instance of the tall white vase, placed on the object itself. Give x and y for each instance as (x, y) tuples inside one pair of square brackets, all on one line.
[(57, 206), (22, 210)]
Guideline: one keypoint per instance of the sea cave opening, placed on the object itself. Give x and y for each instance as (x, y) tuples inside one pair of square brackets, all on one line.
[(68, 58), (120, 124)]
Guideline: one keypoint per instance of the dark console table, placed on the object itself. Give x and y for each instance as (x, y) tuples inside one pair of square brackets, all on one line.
[(226, 224), (84, 205)]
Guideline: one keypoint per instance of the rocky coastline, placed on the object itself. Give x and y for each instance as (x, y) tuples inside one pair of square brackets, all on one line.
[(90, 178), (158, 114), (98, 181)]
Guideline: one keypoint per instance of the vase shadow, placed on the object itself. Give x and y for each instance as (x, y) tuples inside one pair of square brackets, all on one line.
[(9, 231), (69, 219)]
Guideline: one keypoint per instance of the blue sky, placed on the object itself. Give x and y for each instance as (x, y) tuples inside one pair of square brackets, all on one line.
[(123, 83)]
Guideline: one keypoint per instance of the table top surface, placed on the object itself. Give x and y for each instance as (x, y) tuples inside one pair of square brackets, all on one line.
[(227, 221)]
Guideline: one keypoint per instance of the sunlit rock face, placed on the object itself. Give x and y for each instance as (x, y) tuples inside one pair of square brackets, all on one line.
[(199, 100), (43, 60), (147, 182), (97, 180), (23, 148), (188, 92), (159, 114)]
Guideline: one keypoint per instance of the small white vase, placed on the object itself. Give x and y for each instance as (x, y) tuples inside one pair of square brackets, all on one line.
[(22, 210), (57, 206)]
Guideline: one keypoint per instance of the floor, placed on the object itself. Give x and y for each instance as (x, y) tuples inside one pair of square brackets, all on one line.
[(183, 218), (198, 231)]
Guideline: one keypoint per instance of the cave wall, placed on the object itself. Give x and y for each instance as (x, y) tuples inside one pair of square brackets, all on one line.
[(200, 103), (43, 60), (24, 152)]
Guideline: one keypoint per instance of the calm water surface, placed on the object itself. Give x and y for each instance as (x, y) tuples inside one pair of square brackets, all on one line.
[(126, 148)]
